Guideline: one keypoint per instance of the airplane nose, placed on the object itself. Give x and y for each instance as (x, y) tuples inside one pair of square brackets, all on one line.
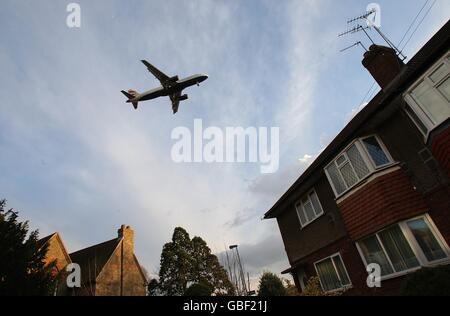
[(201, 78)]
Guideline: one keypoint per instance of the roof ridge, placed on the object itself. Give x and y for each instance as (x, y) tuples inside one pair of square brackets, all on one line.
[(94, 258)]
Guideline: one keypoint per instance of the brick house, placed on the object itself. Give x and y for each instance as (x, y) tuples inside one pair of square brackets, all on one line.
[(380, 191), (107, 269), (57, 253)]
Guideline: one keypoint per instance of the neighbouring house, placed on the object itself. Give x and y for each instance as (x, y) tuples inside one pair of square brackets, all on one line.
[(57, 254), (107, 269), (380, 191)]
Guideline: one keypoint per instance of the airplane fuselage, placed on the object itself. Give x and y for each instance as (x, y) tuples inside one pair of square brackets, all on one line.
[(170, 86), (169, 89)]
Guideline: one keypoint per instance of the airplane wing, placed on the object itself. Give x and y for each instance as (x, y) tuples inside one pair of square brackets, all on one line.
[(175, 98), (156, 72)]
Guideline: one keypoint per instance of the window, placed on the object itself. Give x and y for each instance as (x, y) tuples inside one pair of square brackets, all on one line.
[(309, 208), (332, 273), (302, 279), (397, 248), (373, 253), (404, 246), (426, 240), (428, 100), (375, 151), (360, 159)]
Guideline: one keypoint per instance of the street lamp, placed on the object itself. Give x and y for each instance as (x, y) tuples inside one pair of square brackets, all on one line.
[(241, 270)]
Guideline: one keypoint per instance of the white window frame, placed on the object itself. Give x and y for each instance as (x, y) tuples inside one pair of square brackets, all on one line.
[(383, 147), (337, 254), (416, 107), (418, 252), (302, 209), (368, 160)]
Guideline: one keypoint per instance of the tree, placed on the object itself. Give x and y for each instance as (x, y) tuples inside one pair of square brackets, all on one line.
[(23, 270), (207, 270), (291, 289), (270, 285), (199, 289), (185, 261), (313, 288), (176, 264), (153, 287)]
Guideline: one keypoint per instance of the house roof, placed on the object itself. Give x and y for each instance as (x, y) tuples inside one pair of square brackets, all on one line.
[(41, 242), (426, 56), (93, 259)]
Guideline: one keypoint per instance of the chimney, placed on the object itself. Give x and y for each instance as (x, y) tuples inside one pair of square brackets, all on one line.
[(127, 234), (383, 64), (127, 261)]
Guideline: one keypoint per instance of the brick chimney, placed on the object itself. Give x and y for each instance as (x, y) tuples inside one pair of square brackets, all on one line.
[(127, 234), (383, 64), (127, 261)]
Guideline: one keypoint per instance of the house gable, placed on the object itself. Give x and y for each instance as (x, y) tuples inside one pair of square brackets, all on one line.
[(121, 275), (56, 251)]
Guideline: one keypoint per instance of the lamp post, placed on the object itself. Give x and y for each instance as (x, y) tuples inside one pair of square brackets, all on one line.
[(241, 270)]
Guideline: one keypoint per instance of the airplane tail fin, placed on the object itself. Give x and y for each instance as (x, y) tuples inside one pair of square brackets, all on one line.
[(131, 94)]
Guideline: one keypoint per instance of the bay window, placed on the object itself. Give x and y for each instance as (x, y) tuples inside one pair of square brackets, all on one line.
[(428, 100), (404, 246), (361, 158)]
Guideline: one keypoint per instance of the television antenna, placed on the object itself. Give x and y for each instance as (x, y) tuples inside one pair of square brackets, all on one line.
[(357, 29), (370, 25), (355, 44)]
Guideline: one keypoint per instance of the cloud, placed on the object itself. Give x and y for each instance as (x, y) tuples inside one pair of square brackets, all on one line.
[(241, 218), (305, 64), (305, 159), (108, 165), (271, 186), (266, 255)]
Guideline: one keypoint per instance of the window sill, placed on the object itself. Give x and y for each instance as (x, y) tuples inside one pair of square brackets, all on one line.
[(399, 274), (307, 224), (436, 263), (429, 265), (369, 178), (344, 288)]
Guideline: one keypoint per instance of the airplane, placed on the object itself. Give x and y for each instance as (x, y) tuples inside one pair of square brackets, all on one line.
[(170, 86)]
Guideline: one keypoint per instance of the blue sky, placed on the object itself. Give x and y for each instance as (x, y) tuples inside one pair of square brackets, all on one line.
[(76, 159)]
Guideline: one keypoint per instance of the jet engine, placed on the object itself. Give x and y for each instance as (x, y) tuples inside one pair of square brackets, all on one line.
[(173, 79), (183, 97)]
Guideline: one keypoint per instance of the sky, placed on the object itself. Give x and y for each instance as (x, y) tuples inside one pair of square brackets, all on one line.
[(77, 159)]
